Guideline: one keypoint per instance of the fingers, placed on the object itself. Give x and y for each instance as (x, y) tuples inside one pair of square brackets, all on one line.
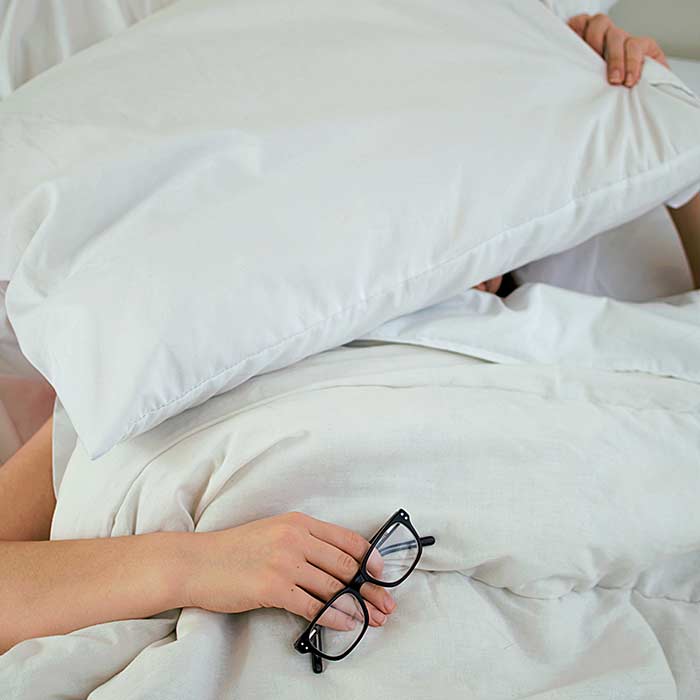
[(299, 602), (656, 52), (615, 55), (342, 567), (375, 565), (350, 542), (324, 586), (636, 48), (624, 54), (634, 60), (579, 24), (596, 29)]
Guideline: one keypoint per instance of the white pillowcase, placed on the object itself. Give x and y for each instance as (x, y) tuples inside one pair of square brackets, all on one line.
[(229, 187), (638, 261), (37, 34), (566, 9), (34, 36)]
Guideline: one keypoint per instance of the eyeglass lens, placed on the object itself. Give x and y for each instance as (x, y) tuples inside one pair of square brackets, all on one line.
[(398, 548), (345, 612)]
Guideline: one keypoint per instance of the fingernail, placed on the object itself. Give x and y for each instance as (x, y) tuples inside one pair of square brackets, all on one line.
[(379, 617), (350, 624), (390, 604), (629, 81), (615, 76)]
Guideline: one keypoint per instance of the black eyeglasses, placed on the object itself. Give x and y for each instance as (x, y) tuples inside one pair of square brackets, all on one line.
[(399, 547)]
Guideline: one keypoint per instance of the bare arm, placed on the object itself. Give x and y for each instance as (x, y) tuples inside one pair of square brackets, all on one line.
[(54, 587), (26, 490), (290, 561), (687, 221)]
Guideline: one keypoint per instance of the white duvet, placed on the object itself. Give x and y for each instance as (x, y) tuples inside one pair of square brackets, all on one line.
[(563, 500)]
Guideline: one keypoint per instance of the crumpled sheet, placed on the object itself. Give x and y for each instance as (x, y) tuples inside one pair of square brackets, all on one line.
[(563, 500)]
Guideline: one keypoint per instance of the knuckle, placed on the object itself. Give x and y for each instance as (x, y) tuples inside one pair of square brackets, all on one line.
[(346, 564), (616, 34), (288, 537), (312, 606), (296, 517), (355, 542), (332, 586)]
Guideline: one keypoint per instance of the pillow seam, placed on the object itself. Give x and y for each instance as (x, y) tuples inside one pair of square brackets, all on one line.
[(665, 166)]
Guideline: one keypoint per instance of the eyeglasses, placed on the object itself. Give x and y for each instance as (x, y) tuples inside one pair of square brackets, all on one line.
[(399, 548)]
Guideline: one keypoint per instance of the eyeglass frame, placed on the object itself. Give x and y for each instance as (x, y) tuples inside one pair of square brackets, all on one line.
[(303, 642)]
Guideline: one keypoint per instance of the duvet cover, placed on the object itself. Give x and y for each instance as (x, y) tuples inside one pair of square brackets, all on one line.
[(563, 498)]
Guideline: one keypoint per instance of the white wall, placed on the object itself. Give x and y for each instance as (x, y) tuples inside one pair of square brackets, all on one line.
[(675, 24)]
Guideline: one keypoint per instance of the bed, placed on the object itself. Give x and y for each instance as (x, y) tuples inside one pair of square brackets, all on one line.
[(562, 498), (548, 441)]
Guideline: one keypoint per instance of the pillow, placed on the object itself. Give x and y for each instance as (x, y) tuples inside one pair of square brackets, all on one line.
[(38, 34), (638, 261), (566, 9), (226, 188)]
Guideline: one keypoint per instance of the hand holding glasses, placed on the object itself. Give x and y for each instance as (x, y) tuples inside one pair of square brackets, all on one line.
[(337, 629)]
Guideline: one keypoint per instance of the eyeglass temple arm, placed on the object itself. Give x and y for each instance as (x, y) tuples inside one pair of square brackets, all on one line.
[(409, 544), (316, 660)]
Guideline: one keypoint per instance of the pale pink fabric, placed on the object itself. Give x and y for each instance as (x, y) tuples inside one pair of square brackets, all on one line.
[(25, 405)]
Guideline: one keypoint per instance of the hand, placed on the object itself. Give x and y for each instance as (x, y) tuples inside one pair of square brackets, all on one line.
[(290, 561), (623, 53), (492, 285)]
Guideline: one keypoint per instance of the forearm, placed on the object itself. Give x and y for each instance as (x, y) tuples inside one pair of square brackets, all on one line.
[(687, 221), (56, 587), (27, 500)]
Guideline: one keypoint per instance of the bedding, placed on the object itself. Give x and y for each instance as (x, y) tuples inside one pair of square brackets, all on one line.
[(638, 261), (147, 262), (36, 35), (566, 9), (563, 501)]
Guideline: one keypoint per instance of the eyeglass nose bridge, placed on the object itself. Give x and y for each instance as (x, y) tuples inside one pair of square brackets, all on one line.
[(358, 580)]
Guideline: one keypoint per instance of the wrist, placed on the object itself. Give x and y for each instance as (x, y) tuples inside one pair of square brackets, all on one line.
[(176, 568)]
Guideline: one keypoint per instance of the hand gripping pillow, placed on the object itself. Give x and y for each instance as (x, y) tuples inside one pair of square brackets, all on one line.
[(227, 187)]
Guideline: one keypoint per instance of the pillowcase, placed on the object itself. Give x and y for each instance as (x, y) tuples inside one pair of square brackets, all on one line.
[(226, 188), (37, 34), (566, 9), (638, 261)]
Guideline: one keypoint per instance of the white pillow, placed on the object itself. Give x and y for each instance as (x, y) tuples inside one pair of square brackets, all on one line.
[(38, 34), (638, 261), (566, 9), (227, 188)]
